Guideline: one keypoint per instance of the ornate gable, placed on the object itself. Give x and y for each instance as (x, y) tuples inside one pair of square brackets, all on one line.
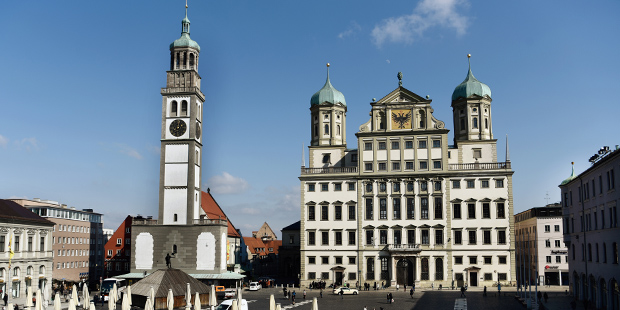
[(401, 95)]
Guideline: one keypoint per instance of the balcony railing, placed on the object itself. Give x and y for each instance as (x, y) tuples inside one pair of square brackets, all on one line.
[(144, 222), (480, 166), (404, 247), (328, 170), (210, 222), (170, 90)]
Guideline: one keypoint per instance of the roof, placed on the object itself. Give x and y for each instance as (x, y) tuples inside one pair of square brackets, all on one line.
[(164, 279), (220, 276), (185, 40), (471, 86), (214, 211), (260, 247), (11, 211), (295, 226), (604, 158), (328, 94)]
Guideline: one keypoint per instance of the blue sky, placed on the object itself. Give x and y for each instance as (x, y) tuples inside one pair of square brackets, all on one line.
[(81, 108)]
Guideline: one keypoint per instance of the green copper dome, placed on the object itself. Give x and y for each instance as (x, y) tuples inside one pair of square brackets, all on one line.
[(569, 179), (328, 94), (185, 40), (471, 86)]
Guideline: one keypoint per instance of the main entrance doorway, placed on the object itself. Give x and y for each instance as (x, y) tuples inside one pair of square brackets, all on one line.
[(405, 272), (473, 278)]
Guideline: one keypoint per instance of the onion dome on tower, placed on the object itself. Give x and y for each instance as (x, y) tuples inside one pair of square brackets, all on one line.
[(328, 94), (471, 86), (185, 40)]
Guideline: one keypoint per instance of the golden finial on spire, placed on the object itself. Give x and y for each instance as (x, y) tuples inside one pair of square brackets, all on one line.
[(186, 4), (468, 55), (328, 64)]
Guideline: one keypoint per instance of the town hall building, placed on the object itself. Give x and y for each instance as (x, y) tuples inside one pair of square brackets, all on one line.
[(405, 206)]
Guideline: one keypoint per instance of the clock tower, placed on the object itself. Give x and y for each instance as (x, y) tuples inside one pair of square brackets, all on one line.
[(181, 134)]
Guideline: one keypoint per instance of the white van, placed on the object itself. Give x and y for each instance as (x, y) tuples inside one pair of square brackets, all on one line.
[(255, 286), (226, 304)]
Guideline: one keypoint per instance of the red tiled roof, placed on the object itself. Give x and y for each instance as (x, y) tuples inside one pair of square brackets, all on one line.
[(254, 243), (214, 211)]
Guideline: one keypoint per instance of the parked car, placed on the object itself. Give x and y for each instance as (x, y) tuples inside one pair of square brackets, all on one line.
[(255, 286), (220, 291), (230, 293), (346, 291), (227, 304)]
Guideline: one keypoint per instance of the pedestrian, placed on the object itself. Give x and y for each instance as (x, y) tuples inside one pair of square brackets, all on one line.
[(388, 298), (304, 294), (413, 287), (321, 292), (293, 297), (499, 289), (284, 291), (411, 292), (539, 295), (365, 308), (546, 297), (6, 299), (404, 287), (484, 293), (341, 295), (463, 291)]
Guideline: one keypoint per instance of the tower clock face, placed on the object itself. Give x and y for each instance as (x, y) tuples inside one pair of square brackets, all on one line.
[(178, 128), (198, 130)]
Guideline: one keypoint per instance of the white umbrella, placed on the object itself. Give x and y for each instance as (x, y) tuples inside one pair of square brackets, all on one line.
[(278, 307), (46, 295), (10, 306), (74, 295), (86, 297), (38, 302), (152, 296), (240, 296), (29, 297), (272, 302), (148, 305), (315, 304), (212, 297), (125, 303), (111, 301), (56, 301), (170, 300), (72, 304), (197, 302), (115, 290), (188, 298), (234, 305), (92, 305), (129, 294)]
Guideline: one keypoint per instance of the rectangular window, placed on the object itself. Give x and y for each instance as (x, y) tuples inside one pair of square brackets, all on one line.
[(410, 209), (437, 185), (499, 183), (487, 260), (547, 228), (422, 144), (471, 210), (411, 236), (502, 276), (351, 238), (558, 259), (311, 213), (369, 237), (382, 167), (324, 260), (488, 277), (456, 184), (367, 166), (486, 236), (311, 187), (324, 187), (368, 146), (501, 212), (397, 237), (472, 237), (369, 211), (423, 165), (477, 153), (395, 145), (395, 166), (337, 187), (501, 236), (423, 186), (502, 260), (338, 238), (438, 208), (311, 238), (311, 275), (351, 212), (548, 259), (119, 241), (396, 187), (457, 210), (396, 207), (458, 237), (436, 143), (382, 145), (382, 209), (408, 144), (351, 186), (557, 243), (425, 237), (324, 238), (470, 184), (484, 183), (324, 213), (486, 210), (324, 275), (351, 260), (409, 165), (424, 208), (438, 236), (458, 260), (338, 213), (436, 164), (383, 236), (473, 260)]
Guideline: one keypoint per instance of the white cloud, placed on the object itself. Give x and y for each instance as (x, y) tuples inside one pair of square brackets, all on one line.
[(428, 13), (353, 28), (3, 141), (227, 184), (388, 61), (129, 151), (27, 143)]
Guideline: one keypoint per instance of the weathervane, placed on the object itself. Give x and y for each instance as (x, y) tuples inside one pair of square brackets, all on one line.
[(400, 79)]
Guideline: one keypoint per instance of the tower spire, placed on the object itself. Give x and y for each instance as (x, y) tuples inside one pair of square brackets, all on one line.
[(303, 156), (507, 150)]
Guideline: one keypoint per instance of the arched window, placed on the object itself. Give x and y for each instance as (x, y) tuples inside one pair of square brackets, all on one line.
[(184, 60), (176, 217), (475, 122), (338, 129), (326, 129), (573, 252), (174, 248), (184, 108), (2, 270), (173, 108), (191, 60), (614, 252), (316, 130), (178, 60), (486, 123), (16, 272), (29, 270), (589, 252), (422, 119), (439, 269), (604, 252)]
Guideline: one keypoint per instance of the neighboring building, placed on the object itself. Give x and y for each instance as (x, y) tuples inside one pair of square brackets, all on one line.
[(118, 250), (107, 234), (591, 232), (77, 240), (405, 206), (236, 256), (263, 249), (183, 234), (540, 250), (288, 254), (29, 236)]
